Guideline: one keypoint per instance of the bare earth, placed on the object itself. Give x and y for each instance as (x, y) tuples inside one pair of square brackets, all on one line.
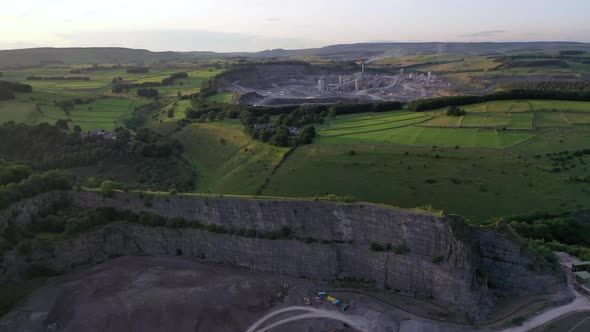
[(177, 294)]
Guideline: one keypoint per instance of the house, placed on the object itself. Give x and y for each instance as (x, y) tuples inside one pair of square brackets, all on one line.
[(582, 266), (294, 131), (105, 134)]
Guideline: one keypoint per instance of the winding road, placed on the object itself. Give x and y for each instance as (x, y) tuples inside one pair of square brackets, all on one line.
[(358, 323), (581, 303)]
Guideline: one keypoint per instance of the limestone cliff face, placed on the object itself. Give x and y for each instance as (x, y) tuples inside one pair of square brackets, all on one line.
[(439, 258)]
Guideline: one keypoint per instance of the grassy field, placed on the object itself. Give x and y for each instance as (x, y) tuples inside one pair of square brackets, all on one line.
[(489, 163), (224, 97), (228, 161), (450, 163), (105, 113), (401, 160), (426, 129), (12, 110), (464, 182)]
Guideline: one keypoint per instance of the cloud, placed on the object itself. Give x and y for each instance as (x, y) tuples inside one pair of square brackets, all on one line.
[(273, 19), (489, 33)]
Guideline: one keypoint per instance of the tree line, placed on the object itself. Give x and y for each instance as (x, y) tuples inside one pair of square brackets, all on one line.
[(428, 104), (145, 160), (119, 85), (58, 78), (33, 185), (7, 89), (138, 70), (546, 85)]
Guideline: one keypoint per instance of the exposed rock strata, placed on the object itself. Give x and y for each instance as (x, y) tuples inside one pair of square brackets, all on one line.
[(442, 259)]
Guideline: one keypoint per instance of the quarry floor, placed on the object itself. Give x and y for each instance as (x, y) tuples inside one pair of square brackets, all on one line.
[(178, 294)]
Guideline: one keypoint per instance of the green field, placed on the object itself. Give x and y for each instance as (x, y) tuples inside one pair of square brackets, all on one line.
[(426, 129), (228, 161), (403, 159), (224, 97), (495, 153), (460, 181), (105, 113), (17, 111), (400, 160)]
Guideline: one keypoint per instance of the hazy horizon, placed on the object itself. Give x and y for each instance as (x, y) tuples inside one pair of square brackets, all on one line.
[(237, 25)]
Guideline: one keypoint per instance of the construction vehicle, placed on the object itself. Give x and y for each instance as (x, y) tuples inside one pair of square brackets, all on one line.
[(334, 301)]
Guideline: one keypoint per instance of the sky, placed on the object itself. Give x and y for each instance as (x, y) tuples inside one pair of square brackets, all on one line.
[(255, 25)]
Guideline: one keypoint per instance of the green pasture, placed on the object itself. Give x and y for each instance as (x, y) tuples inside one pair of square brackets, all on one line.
[(226, 160), (474, 183), (443, 121), (224, 97), (105, 113), (20, 112), (425, 129), (502, 106)]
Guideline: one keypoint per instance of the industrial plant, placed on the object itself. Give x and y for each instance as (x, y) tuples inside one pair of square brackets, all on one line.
[(296, 84)]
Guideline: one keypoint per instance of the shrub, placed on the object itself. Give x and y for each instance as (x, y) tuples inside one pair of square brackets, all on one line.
[(377, 247), (92, 183), (177, 222), (518, 321), (108, 188)]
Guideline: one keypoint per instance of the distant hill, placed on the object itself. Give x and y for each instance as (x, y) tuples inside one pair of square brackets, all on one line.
[(37, 56), (370, 50)]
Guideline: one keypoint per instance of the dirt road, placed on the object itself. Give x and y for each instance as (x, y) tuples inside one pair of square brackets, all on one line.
[(580, 304), (358, 323)]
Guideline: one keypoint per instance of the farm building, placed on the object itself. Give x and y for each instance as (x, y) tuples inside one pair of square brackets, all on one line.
[(582, 266), (582, 277)]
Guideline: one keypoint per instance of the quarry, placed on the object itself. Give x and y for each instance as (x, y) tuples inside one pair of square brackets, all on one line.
[(426, 270), (290, 84)]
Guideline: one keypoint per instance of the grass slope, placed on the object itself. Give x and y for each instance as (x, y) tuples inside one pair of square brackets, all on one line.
[(474, 183), (228, 161)]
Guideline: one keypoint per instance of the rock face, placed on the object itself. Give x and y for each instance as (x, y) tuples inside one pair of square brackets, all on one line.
[(434, 257)]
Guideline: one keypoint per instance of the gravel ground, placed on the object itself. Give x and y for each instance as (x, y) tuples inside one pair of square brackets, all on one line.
[(177, 294)]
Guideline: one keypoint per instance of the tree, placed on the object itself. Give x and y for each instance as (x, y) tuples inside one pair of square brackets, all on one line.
[(148, 93), (307, 134), (179, 94), (332, 113), (62, 124), (454, 111), (77, 129), (170, 112), (281, 138), (281, 119), (123, 135), (265, 134), (108, 188), (91, 183), (211, 116)]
